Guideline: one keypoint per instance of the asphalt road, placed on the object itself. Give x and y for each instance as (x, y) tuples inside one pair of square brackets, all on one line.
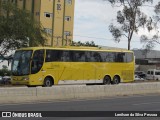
[(125, 103)]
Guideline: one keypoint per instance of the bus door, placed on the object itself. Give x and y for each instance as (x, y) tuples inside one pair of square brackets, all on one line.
[(37, 71)]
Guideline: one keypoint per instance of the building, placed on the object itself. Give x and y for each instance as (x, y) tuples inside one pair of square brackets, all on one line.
[(56, 16), (147, 59), (110, 48), (151, 57)]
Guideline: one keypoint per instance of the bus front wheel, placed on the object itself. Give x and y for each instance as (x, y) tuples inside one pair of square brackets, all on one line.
[(106, 80), (48, 82)]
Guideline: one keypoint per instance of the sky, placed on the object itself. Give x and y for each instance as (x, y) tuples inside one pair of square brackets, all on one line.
[(91, 21), (92, 18)]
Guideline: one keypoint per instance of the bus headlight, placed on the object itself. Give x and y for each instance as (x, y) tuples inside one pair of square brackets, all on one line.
[(26, 78)]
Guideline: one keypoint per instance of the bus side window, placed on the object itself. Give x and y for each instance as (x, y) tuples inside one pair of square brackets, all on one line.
[(79, 56), (56, 55), (53, 55), (92, 58), (120, 57), (65, 56), (110, 57), (129, 57), (97, 57), (103, 56), (87, 56), (148, 72)]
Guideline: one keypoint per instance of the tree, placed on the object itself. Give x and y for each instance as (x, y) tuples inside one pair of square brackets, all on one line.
[(87, 43), (130, 19), (4, 67), (4, 71), (18, 28), (150, 42)]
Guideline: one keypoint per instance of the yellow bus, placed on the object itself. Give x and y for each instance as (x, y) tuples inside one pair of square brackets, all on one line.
[(46, 66)]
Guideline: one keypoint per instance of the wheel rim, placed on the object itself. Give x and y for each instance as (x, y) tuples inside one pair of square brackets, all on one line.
[(116, 80), (48, 83), (106, 81)]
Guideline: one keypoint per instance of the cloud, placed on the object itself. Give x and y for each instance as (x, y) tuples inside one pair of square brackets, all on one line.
[(92, 18)]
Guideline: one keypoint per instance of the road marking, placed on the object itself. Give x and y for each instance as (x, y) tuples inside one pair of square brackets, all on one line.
[(146, 103)]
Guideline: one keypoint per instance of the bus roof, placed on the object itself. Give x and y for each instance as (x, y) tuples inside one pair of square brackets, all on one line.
[(77, 48)]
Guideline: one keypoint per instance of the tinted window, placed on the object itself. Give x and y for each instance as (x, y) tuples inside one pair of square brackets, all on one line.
[(53, 55), (151, 72), (78, 56), (65, 56), (88, 56), (93, 57), (157, 73), (120, 57), (129, 57), (103, 56), (37, 61), (97, 57), (109, 57), (58, 56)]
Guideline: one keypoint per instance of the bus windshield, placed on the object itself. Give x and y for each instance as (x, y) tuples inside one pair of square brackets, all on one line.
[(21, 62)]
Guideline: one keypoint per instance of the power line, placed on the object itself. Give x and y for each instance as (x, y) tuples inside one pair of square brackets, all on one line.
[(102, 38), (92, 37)]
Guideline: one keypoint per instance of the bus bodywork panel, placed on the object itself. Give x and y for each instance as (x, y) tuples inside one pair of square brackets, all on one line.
[(70, 73)]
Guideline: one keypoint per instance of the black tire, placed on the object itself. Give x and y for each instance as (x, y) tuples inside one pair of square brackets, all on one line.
[(116, 80), (48, 82), (106, 80)]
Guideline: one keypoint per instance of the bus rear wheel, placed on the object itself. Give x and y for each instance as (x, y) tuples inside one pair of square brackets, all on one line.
[(116, 80), (48, 82), (106, 80)]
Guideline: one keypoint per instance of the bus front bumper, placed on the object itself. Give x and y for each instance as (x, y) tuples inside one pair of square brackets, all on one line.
[(17, 80)]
